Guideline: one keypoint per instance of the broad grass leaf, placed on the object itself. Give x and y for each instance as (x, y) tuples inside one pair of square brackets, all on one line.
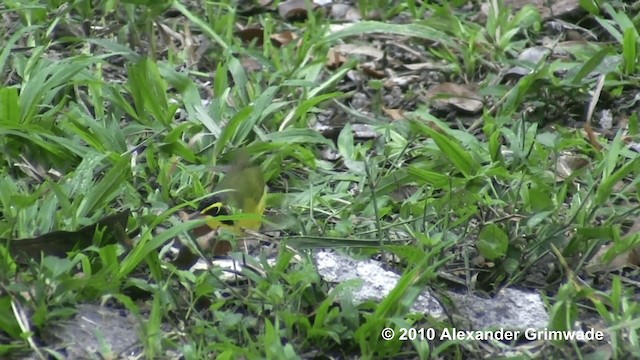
[(9, 105), (492, 242), (260, 112), (607, 186), (149, 92), (107, 189), (45, 80), (298, 136), (458, 156), (590, 65)]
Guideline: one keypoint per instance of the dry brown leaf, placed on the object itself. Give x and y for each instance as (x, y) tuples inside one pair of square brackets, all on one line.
[(250, 64), (394, 114), (283, 38), (166, 34), (456, 95), (251, 33), (254, 8), (363, 132), (629, 258), (372, 72), (402, 81), (34, 170), (295, 10), (191, 46), (426, 66), (595, 97), (359, 49), (337, 56), (591, 135), (334, 59), (568, 164)]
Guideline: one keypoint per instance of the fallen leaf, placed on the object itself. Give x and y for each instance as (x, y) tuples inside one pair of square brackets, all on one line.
[(360, 131), (532, 56), (363, 132), (254, 8), (459, 96), (283, 38), (372, 72), (337, 56), (601, 261), (295, 10), (250, 64), (191, 46), (630, 258), (251, 33), (429, 66), (591, 135), (334, 59), (59, 243), (394, 114), (402, 81), (167, 34), (359, 49), (572, 32), (568, 164), (595, 97)]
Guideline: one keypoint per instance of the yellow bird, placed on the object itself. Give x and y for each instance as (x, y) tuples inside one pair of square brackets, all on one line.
[(241, 193), (243, 189)]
